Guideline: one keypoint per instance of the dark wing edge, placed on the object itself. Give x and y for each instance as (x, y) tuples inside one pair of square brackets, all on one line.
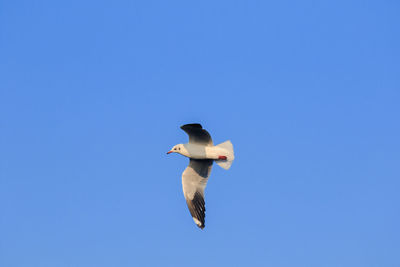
[(193, 125), (197, 134), (197, 209)]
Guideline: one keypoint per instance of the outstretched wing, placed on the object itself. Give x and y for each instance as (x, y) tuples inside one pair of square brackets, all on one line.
[(197, 134), (194, 181)]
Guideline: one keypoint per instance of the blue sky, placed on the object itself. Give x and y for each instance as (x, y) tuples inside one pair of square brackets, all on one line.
[(92, 94)]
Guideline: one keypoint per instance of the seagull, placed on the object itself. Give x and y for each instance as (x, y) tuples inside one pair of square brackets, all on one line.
[(201, 153)]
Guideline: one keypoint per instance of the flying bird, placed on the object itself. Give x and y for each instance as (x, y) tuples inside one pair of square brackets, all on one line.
[(202, 153)]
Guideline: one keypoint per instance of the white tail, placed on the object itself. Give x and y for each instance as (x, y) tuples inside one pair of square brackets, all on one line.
[(228, 149)]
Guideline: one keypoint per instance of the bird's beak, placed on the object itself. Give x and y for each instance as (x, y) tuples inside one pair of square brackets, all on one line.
[(169, 152)]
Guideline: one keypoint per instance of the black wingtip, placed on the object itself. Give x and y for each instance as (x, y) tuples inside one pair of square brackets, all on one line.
[(192, 125)]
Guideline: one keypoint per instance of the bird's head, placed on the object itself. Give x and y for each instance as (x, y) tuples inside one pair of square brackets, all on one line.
[(177, 149)]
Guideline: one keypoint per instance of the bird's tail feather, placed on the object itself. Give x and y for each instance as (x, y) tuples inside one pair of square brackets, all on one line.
[(228, 147)]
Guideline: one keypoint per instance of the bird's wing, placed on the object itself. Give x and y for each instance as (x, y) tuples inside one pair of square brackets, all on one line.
[(197, 134), (194, 181)]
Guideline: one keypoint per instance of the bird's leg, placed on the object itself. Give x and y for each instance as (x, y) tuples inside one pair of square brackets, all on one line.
[(222, 157)]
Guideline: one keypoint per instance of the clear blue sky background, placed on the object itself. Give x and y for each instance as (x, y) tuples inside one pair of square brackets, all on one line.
[(92, 94)]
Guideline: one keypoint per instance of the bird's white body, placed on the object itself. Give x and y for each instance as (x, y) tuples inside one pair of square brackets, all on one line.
[(195, 151), (203, 152)]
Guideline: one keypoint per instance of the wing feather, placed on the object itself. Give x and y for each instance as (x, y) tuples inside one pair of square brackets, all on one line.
[(194, 181), (197, 134)]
